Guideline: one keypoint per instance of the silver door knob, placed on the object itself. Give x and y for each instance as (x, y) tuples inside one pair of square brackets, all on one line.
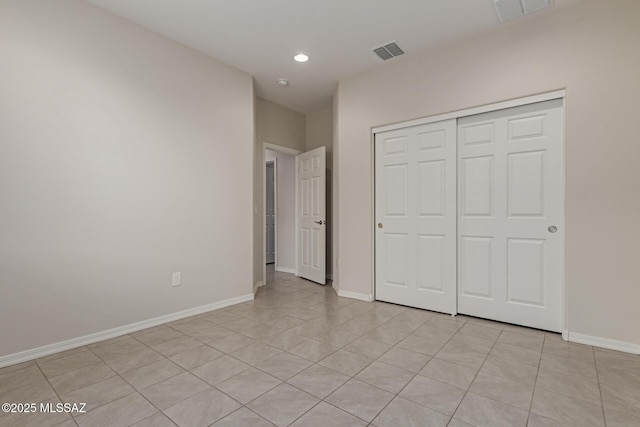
[(319, 222), (380, 225), (552, 229)]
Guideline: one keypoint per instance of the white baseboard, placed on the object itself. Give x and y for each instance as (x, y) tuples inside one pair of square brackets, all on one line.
[(256, 286), (355, 295), (23, 356), (626, 347), (335, 287), (286, 270)]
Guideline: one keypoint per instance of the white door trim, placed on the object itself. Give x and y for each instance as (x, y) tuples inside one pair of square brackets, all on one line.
[(283, 150), (548, 96)]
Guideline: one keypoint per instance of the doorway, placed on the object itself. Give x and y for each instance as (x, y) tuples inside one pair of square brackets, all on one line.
[(279, 195)]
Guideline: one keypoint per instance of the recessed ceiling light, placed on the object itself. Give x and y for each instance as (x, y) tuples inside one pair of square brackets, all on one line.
[(301, 57)]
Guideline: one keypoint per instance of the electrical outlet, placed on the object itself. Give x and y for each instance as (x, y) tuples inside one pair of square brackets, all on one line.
[(176, 279)]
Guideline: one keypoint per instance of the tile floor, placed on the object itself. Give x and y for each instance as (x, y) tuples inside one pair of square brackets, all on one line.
[(299, 355)]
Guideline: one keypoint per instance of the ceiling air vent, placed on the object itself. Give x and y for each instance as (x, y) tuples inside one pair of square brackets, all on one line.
[(388, 51), (511, 9)]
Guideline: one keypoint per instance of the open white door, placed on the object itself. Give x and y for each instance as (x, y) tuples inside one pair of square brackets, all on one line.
[(311, 171), (415, 181)]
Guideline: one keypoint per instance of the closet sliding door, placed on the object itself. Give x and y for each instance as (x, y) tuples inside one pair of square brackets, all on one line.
[(415, 237), (511, 215)]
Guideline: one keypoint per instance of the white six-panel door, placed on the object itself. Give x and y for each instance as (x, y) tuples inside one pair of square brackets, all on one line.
[(476, 229), (311, 215), (511, 218), (415, 187)]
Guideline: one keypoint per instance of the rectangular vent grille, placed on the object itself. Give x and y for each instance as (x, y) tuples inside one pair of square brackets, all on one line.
[(388, 51), (511, 9)]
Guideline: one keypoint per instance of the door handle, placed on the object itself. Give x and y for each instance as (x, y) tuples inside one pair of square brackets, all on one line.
[(380, 225), (321, 222), (552, 229)]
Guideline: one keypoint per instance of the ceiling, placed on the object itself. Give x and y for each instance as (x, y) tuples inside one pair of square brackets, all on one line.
[(260, 37)]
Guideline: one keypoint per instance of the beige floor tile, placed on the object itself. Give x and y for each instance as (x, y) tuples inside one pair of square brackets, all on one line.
[(283, 405), (313, 350), (81, 378), (326, 415), (335, 338), (621, 399), (243, 417), (386, 377), (518, 354), (122, 346), (285, 340), (620, 419), (421, 345), (386, 335), (509, 369), (36, 419), (20, 378), (368, 347), (67, 364), (202, 409), (174, 390), (61, 354), (152, 373), (449, 373), (96, 395), (402, 412), (536, 420), (125, 411), (477, 344), (446, 323), (360, 399), (433, 394), (583, 353), (569, 385), (33, 392), (220, 369), (568, 366), (176, 345), (461, 355), (157, 420), (566, 409), (405, 359), (284, 365), (256, 353), (318, 381), (16, 367), (231, 343), (159, 336), (346, 362), (457, 423), (503, 390), (532, 342), (248, 385), (617, 360), (134, 360), (480, 331), (196, 356), (482, 412)]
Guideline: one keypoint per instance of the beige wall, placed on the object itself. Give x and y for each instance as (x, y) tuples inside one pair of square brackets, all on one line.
[(123, 157), (319, 134), (278, 125), (590, 49)]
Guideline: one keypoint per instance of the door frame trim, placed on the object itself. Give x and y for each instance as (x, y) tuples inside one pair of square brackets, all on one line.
[(282, 150), (485, 108)]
